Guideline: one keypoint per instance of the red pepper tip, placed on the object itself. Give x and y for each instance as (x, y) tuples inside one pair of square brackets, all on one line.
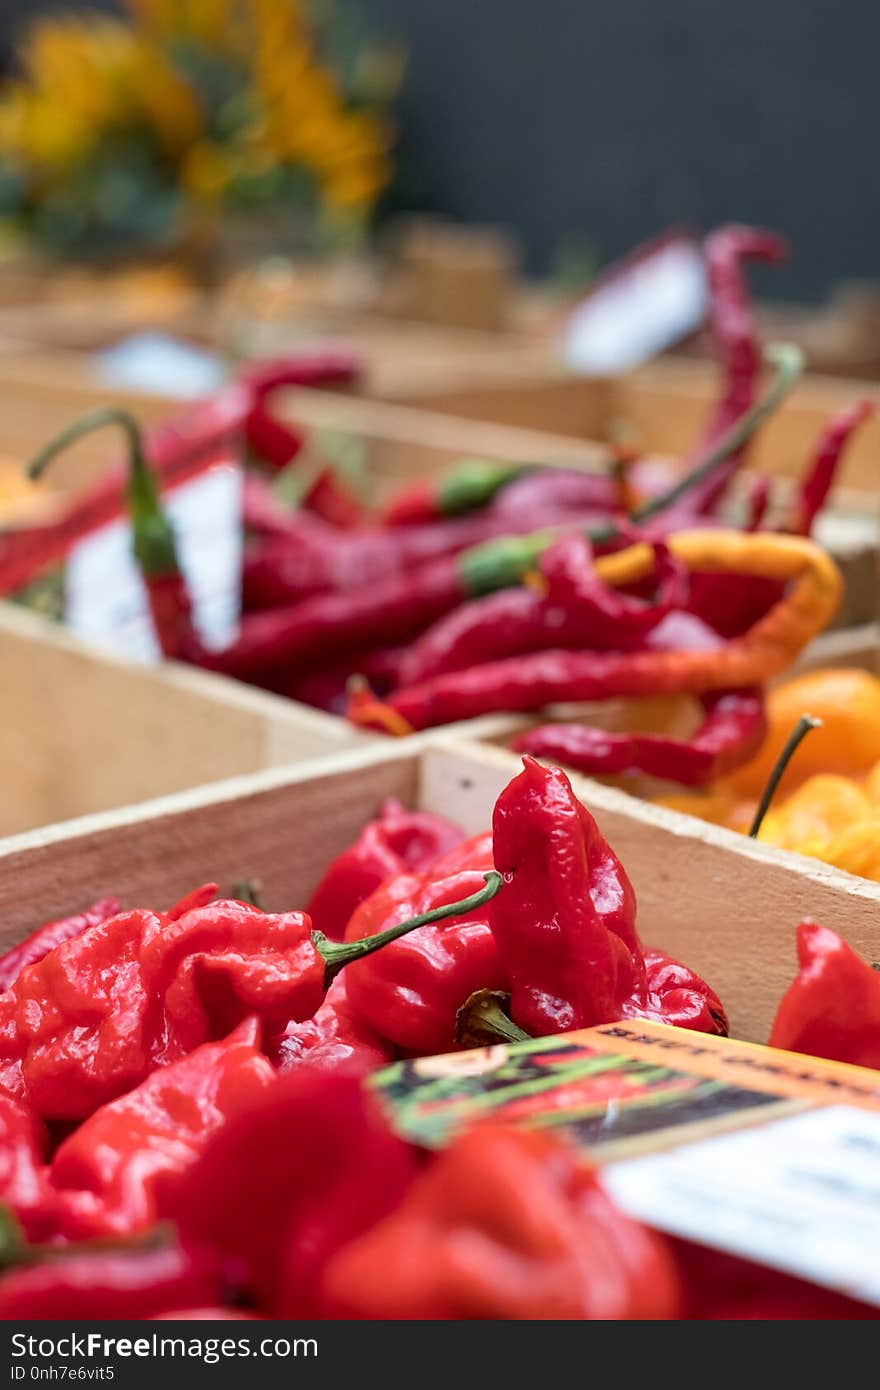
[(369, 712)]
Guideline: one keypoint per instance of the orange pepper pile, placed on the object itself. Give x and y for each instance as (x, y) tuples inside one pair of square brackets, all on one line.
[(828, 802)]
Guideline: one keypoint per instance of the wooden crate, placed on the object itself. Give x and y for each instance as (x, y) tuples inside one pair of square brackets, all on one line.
[(82, 730), (665, 406), (726, 905)]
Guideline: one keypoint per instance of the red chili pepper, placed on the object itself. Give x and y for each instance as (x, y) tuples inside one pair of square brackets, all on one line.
[(300, 1172), (397, 842), (819, 478), (832, 1009), (328, 687), (45, 939), (107, 1170), (99, 1013), (112, 1282), (24, 1186), (285, 570), (725, 250), (466, 488), (567, 489), (505, 1223), (718, 1286), (565, 922), (177, 451), (411, 992), (335, 1035), (732, 732), (154, 543), (543, 678), (575, 610)]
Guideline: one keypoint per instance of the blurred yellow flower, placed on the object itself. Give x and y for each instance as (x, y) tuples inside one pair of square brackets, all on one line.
[(219, 94)]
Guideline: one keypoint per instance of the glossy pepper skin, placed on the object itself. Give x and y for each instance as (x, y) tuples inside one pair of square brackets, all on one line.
[(564, 921), (410, 991), (106, 1171), (398, 841), (141, 990), (731, 733), (305, 1168), (832, 1009), (46, 938), (505, 1223), (109, 1283), (336, 1036)]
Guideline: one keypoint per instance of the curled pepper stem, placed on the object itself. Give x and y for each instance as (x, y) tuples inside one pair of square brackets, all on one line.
[(483, 1020), (337, 954), (154, 543), (792, 743)]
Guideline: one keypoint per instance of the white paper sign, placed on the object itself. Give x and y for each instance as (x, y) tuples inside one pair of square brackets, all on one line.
[(158, 363), (800, 1195), (640, 311), (104, 595)]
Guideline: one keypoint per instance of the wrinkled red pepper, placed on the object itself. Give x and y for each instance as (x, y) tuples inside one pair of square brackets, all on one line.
[(305, 1168), (45, 939), (733, 730), (410, 992), (565, 921), (505, 1223), (106, 1171), (398, 841), (832, 1009), (100, 1012), (336, 1035)]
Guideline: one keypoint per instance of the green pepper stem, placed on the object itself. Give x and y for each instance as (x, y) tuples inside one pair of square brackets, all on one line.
[(483, 1020), (154, 544), (475, 482), (792, 743), (337, 954), (502, 564)]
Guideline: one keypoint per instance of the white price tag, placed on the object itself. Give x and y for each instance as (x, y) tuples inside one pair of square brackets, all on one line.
[(639, 311), (800, 1194), (104, 595)]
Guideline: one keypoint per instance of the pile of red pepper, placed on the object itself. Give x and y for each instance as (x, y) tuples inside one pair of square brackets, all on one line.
[(451, 604), (185, 1128)]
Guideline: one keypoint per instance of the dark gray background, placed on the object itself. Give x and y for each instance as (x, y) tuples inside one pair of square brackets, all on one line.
[(606, 120)]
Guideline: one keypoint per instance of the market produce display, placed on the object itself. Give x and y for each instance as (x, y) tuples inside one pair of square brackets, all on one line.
[(499, 588), (189, 1088)]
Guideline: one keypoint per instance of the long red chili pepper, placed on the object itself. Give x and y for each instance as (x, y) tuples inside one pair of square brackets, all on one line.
[(732, 732), (176, 451), (819, 479), (725, 250), (573, 609), (154, 542), (468, 486), (550, 677)]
